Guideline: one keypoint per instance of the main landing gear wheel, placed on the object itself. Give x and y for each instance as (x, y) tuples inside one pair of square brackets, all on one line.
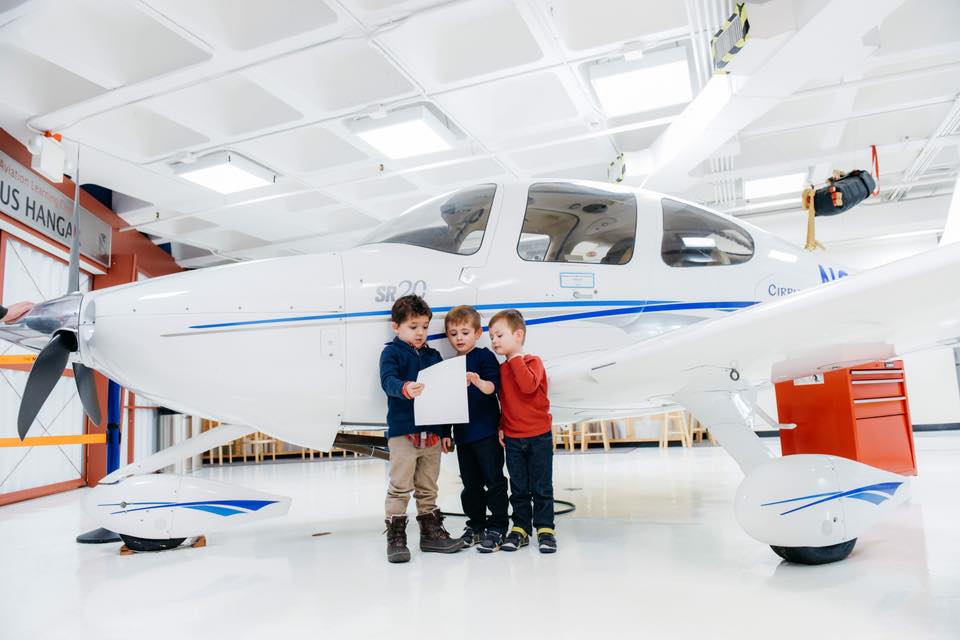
[(815, 555), (141, 545)]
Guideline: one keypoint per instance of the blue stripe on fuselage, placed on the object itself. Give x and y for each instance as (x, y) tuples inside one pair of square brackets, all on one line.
[(623, 307)]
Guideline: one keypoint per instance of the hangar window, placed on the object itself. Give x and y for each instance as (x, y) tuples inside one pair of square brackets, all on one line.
[(453, 223), (567, 222), (693, 237)]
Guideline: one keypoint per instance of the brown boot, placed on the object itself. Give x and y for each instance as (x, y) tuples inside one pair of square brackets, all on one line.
[(397, 539), (433, 537)]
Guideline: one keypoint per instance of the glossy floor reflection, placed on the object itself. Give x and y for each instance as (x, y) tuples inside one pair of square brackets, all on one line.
[(652, 551)]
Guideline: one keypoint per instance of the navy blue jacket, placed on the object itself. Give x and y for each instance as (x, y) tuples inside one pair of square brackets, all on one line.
[(484, 409), (400, 363)]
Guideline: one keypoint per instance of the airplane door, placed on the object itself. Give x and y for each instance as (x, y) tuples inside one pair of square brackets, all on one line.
[(564, 256)]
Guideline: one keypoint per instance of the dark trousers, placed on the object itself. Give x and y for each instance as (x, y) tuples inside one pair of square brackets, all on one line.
[(530, 463), (484, 485)]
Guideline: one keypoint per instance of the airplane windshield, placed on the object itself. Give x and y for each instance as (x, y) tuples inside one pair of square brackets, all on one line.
[(453, 223)]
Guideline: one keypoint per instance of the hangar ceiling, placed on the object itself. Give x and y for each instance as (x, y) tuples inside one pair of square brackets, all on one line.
[(142, 85)]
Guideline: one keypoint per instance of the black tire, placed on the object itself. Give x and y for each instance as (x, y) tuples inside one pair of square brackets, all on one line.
[(815, 555), (142, 545)]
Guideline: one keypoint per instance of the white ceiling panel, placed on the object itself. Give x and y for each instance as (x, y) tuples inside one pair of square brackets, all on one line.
[(262, 253), (477, 38), (336, 76), (112, 41), (332, 220), (304, 150), (393, 207), (373, 12), (264, 224), (498, 109), (538, 161), (474, 170), (585, 25), (135, 133), (592, 171), (177, 227), (212, 106), (246, 24), (378, 188), (35, 85), (222, 239)]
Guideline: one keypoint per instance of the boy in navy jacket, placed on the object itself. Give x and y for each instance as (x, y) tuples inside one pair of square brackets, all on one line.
[(478, 447), (414, 451)]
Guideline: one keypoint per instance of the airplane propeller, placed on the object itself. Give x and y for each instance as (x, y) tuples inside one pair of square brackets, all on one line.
[(49, 365)]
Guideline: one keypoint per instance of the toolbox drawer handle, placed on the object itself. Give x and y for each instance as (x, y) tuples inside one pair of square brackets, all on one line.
[(873, 372), (883, 381), (871, 400)]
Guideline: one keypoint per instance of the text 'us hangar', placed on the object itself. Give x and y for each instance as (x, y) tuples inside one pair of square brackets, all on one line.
[(621, 309)]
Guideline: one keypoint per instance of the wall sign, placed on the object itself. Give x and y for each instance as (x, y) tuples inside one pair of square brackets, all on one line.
[(27, 198)]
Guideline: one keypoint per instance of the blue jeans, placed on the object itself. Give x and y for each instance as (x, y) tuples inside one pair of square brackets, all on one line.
[(530, 463)]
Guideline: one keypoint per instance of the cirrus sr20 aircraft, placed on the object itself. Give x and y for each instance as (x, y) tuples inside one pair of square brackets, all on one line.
[(633, 299)]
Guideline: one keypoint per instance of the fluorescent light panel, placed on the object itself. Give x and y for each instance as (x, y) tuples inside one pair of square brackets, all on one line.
[(775, 186), (225, 172), (632, 86), (405, 133)]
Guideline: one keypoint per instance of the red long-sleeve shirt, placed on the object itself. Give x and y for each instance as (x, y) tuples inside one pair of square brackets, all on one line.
[(524, 405)]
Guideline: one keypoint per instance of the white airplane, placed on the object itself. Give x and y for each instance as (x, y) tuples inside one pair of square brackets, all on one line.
[(633, 299)]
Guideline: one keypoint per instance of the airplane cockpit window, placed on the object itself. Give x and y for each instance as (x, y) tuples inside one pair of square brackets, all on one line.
[(567, 222), (693, 237), (453, 223)]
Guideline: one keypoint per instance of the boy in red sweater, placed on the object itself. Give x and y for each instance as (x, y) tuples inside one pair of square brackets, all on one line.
[(525, 433)]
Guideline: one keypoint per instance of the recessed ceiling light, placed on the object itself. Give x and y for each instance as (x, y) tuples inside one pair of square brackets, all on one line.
[(404, 133), (225, 172), (657, 80), (777, 185)]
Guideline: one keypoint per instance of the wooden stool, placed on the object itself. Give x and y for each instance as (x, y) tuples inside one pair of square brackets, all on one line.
[(217, 452), (674, 419), (586, 434), (696, 431), (259, 441), (563, 433)]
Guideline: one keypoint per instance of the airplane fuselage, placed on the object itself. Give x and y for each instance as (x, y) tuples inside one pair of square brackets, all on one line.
[(291, 345)]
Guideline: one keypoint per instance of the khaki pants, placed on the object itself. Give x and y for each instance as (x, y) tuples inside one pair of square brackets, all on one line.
[(412, 470)]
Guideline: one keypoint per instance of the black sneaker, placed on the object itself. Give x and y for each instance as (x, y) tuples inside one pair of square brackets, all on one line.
[(471, 537), (515, 539), (492, 541), (547, 540)]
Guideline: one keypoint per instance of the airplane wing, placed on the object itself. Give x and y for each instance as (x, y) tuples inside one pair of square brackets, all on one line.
[(898, 308)]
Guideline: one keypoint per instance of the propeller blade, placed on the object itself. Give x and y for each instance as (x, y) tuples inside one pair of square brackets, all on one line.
[(43, 378), (88, 391)]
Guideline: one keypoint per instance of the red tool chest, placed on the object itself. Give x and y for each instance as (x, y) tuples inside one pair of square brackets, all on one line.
[(859, 413)]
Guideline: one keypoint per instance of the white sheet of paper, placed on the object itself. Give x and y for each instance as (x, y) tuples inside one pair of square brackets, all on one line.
[(444, 397)]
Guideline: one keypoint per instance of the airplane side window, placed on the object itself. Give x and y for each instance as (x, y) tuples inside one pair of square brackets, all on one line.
[(693, 237), (453, 223), (567, 222)]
